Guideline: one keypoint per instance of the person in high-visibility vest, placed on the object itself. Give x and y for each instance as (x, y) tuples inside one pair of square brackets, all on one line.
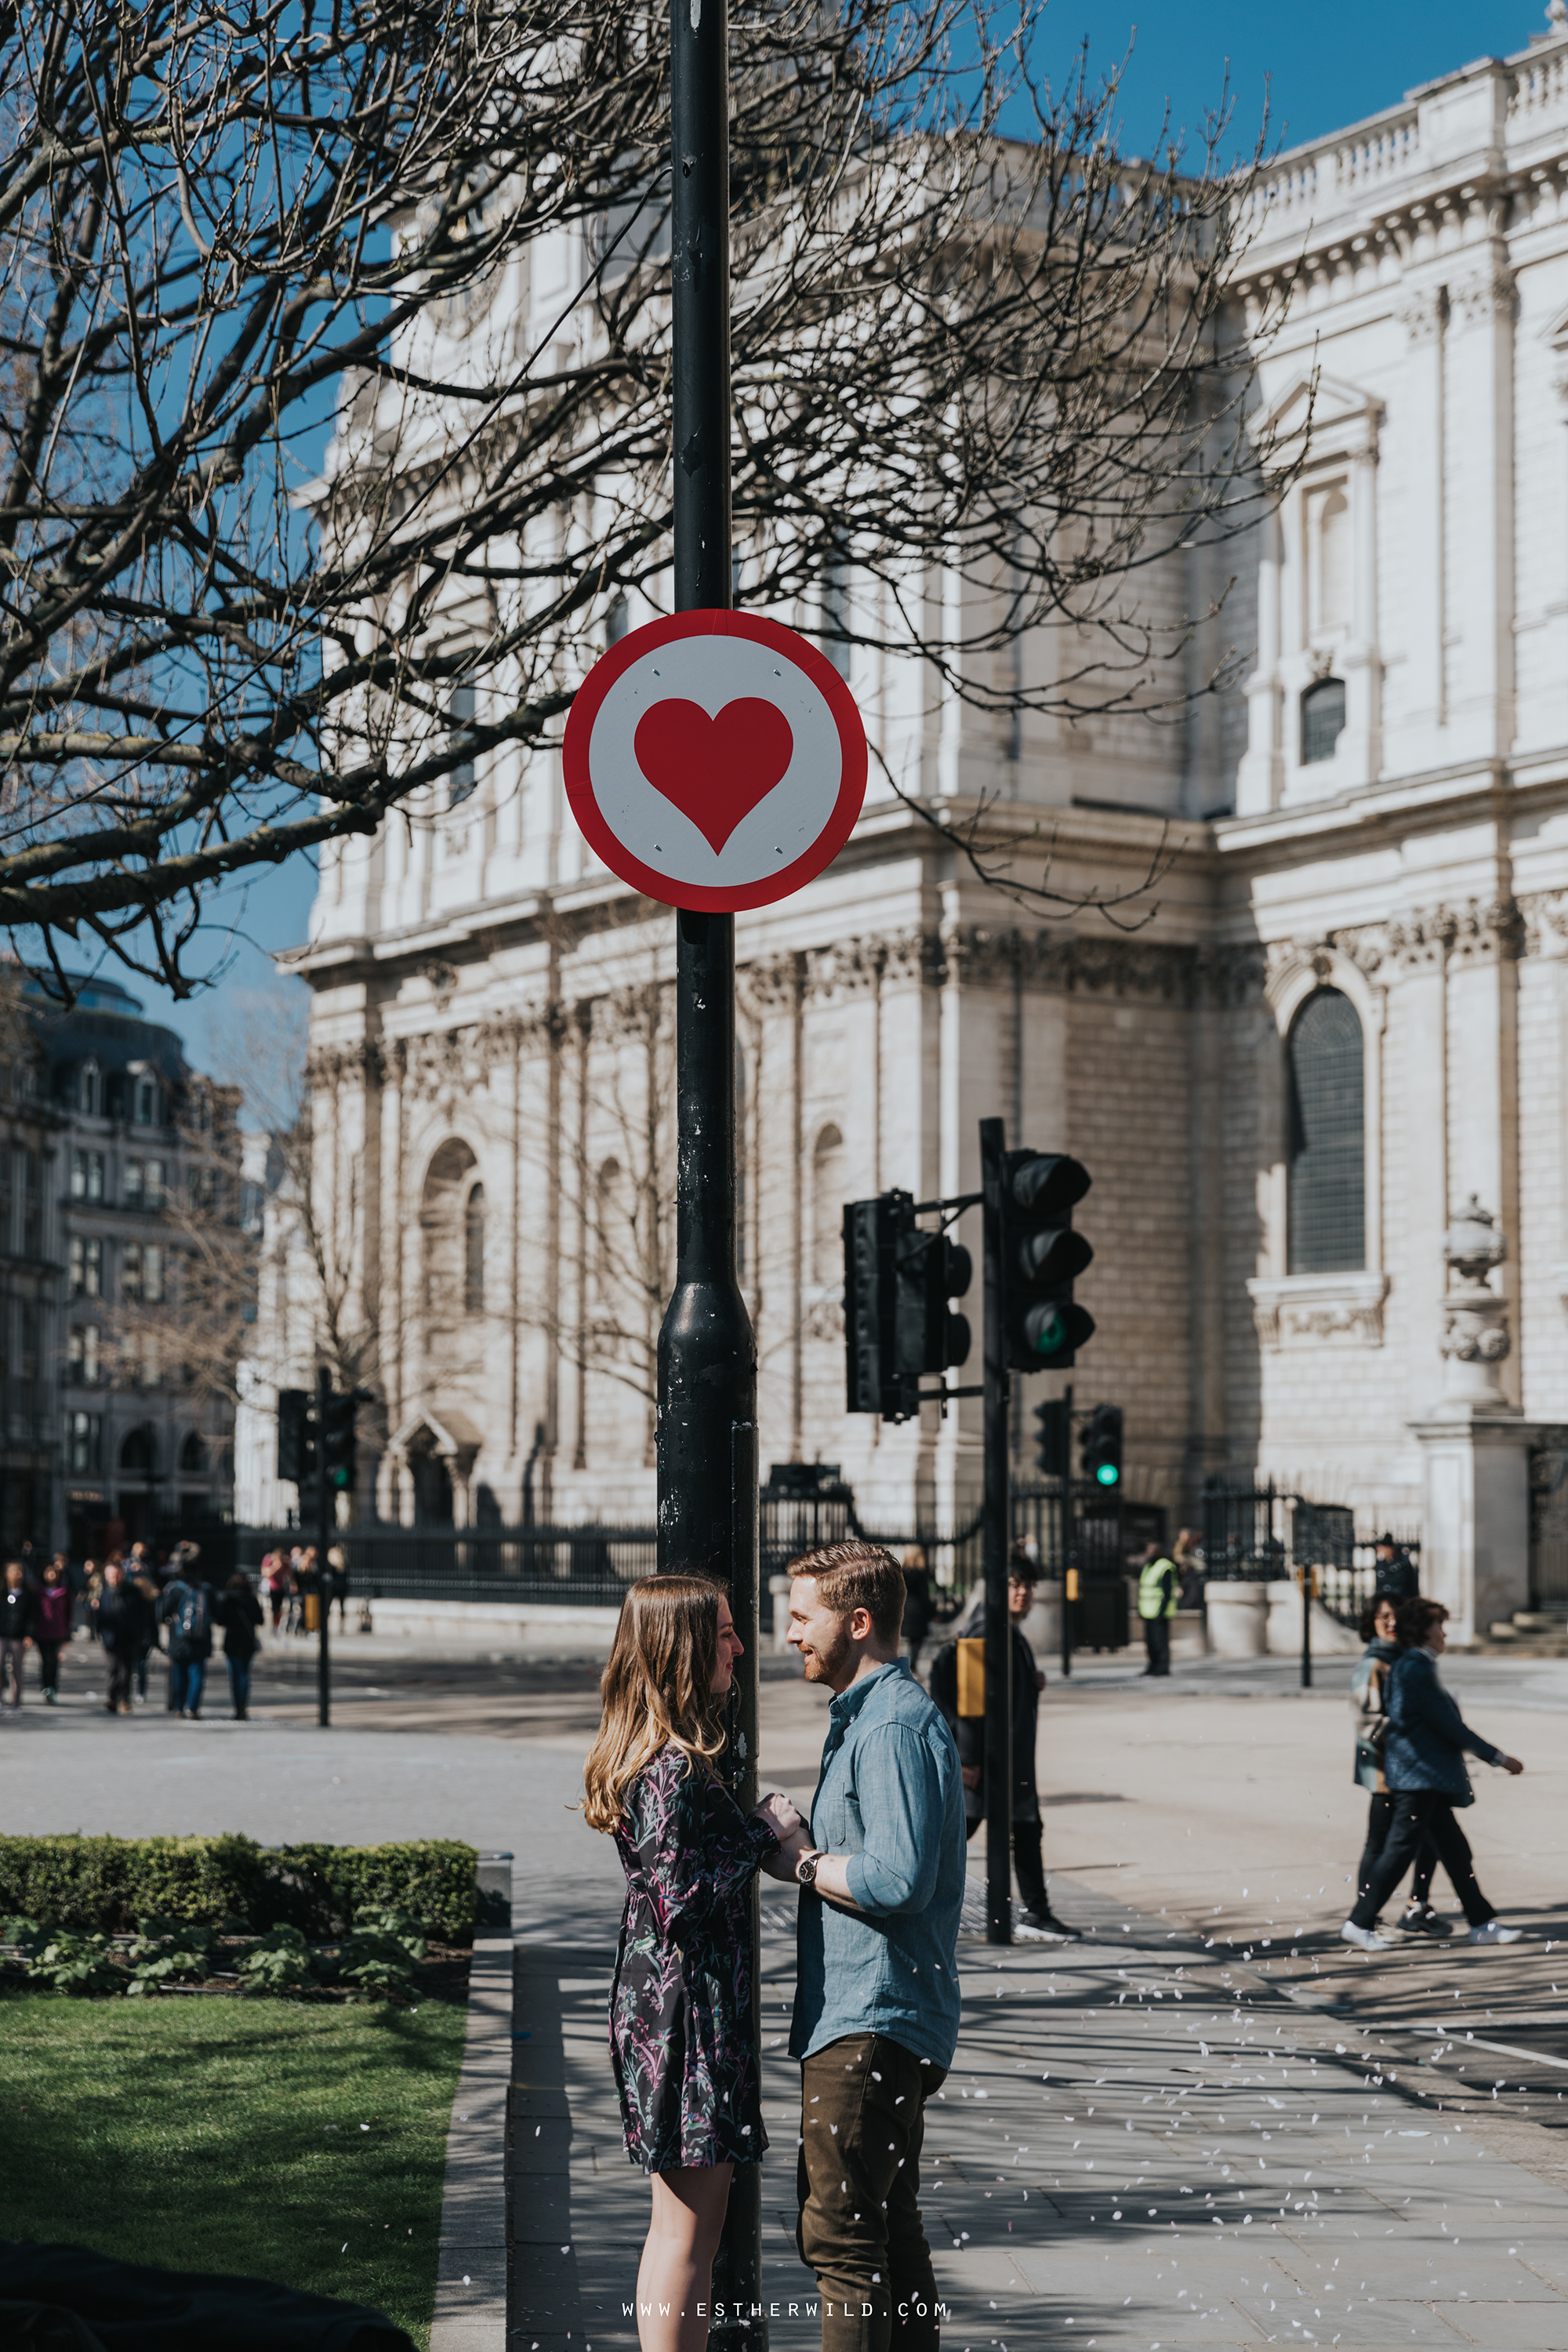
[(1159, 1597)]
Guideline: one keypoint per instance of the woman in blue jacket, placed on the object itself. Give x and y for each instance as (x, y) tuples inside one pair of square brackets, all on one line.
[(1422, 1761)]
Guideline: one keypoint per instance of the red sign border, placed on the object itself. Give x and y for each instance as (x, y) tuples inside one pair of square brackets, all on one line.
[(612, 852)]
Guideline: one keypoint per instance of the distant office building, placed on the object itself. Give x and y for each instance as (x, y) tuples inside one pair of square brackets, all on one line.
[(31, 1266), (146, 1199)]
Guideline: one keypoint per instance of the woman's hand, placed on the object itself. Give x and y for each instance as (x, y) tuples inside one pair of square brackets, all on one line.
[(781, 1865), (783, 1817), (971, 1775), (1512, 1764)]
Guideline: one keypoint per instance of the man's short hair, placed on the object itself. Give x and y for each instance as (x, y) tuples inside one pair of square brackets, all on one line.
[(1413, 1619), (857, 1575)]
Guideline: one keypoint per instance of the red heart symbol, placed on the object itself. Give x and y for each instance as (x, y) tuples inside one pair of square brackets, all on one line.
[(715, 771)]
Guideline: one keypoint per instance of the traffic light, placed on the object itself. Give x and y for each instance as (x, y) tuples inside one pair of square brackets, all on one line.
[(898, 1323), (1099, 1445), (1053, 1447), (297, 1460), (1041, 1255), (338, 1445)]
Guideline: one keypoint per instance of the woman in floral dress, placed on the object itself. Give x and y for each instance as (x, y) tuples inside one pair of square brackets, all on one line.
[(680, 2007)]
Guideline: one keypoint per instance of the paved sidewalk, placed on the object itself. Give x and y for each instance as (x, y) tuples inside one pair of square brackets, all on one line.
[(1141, 2143)]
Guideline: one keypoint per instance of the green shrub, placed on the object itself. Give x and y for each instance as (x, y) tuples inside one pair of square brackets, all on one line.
[(74, 1964), (102, 1885), (167, 1951), (283, 1962), (380, 1957)]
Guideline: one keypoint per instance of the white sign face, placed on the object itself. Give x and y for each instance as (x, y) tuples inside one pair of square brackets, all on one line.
[(715, 760)]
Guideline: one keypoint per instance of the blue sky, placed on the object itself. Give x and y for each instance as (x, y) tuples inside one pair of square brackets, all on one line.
[(1316, 68)]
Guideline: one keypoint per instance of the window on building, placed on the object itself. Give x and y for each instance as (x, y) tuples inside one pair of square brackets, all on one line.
[(451, 1175), (194, 1456), (612, 1240), (474, 1250), (87, 1175), (153, 1257), (130, 1271), (1334, 561), (32, 1206), (1327, 1143), (460, 718), (89, 1089), (827, 1209), (836, 614), (6, 1157), (152, 1184), (139, 1453), (81, 1355), (86, 1267), (1322, 720), (134, 1184), (252, 1208), (84, 1443), (29, 1364), (144, 1103), (618, 622)]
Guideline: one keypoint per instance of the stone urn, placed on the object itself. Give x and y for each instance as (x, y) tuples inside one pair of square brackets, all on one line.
[(1475, 1319)]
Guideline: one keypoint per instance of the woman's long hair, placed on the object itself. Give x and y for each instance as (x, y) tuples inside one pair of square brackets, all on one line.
[(657, 1689)]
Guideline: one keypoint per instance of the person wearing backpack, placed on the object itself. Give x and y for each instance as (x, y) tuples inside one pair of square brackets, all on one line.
[(186, 1608)]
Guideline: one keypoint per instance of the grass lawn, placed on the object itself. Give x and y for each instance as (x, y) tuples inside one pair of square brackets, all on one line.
[(209, 2134)]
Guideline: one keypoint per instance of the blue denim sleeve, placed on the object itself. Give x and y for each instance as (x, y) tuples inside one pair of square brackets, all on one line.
[(902, 1810)]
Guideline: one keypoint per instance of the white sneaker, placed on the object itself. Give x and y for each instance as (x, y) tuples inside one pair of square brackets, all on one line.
[(1367, 1938), (1494, 1932)]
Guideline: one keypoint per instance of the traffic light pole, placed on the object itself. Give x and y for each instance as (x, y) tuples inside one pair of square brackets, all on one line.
[(324, 1525), (707, 1429), (1070, 1548), (998, 1772)]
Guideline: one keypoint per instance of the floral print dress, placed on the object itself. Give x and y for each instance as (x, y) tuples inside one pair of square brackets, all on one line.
[(681, 2006)]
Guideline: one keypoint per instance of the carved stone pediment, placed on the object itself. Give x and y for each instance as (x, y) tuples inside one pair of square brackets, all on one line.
[(1314, 1310)]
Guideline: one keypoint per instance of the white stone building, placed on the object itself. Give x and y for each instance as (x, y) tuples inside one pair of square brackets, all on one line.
[(1346, 1015)]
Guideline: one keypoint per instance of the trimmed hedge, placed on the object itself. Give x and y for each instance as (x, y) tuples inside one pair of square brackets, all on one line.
[(105, 1885)]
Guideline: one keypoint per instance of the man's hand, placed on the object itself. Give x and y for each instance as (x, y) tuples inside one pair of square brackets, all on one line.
[(1039, 1679), (971, 1775), (1512, 1764)]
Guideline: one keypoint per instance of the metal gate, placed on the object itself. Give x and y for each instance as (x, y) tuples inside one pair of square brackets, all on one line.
[(1549, 1523)]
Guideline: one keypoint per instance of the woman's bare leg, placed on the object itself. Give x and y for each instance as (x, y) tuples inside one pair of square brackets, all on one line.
[(675, 2275)]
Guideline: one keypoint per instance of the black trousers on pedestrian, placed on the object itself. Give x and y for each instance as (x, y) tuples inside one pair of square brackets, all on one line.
[(1379, 1820), (120, 1668), (49, 1666), (1028, 1838), (1157, 1642), (1421, 1815)]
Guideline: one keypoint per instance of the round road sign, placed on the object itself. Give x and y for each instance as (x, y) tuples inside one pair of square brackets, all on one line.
[(715, 760)]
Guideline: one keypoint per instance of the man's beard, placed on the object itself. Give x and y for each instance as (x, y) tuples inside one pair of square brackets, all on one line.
[(826, 1659)]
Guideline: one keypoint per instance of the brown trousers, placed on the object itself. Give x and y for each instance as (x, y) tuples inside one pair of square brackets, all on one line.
[(858, 2178)]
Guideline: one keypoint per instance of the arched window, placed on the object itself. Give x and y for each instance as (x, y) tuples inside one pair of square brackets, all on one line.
[(1334, 561), (442, 1218), (1326, 1212), (90, 1090), (612, 1242), (139, 1453), (1322, 720), (460, 718), (827, 1209), (194, 1456), (474, 1252)]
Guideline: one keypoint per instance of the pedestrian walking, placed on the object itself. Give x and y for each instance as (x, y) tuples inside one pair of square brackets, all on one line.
[(1188, 1561), (186, 1608), (876, 1994), (1369, 1713), (1038, 1922), (1159, 1597), (53, 1606), (16, 1619), (242, 1617), (681, 1998), (1424, 1766), (123, 1615), (918, 1605), (338, 1585)]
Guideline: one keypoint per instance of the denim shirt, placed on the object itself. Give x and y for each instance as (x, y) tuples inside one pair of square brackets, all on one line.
[(890, 1797)]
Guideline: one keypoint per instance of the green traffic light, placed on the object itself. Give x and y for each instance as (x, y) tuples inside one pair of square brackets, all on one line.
[(1107, 1474)]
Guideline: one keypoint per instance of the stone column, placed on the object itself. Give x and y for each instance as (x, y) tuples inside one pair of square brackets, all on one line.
[(1421, 312), (1475, 1447)]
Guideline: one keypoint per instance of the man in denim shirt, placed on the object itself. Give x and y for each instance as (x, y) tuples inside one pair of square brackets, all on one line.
[(877, 1999)]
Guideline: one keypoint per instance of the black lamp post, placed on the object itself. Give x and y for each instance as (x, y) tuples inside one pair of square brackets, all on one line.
[(707, 1355)]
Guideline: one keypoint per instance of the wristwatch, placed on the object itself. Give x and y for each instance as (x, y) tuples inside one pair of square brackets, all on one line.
[(805, 1868)]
